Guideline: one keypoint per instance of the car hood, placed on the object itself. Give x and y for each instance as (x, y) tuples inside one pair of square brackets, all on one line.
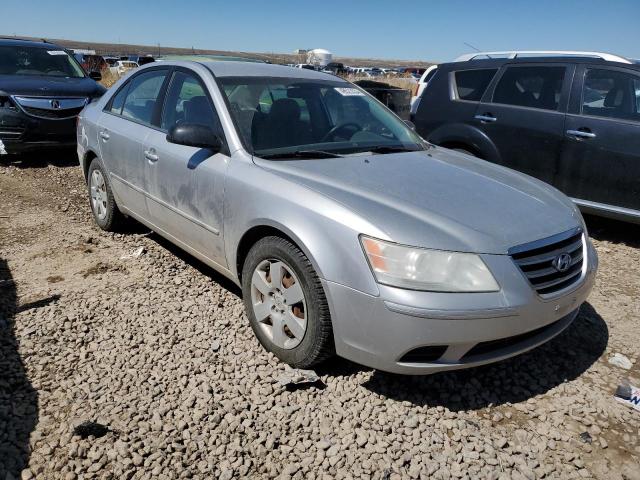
[(43, 86), (438, 198)]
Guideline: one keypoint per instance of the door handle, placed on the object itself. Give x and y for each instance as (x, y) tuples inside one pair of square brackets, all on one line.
[(151, 155), (581, 134), (487, 117), (104, 136)]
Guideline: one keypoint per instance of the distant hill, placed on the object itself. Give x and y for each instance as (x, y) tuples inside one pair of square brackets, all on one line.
[(155, 50)]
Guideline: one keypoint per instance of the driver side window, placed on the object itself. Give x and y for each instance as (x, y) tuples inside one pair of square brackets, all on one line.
[(187, 102)]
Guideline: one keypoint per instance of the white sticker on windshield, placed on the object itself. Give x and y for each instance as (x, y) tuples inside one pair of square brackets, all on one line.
[(349, 92), (56, 52)]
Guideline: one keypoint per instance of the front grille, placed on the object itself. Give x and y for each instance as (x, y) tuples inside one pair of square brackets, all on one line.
[(56, 114), (536, 260)]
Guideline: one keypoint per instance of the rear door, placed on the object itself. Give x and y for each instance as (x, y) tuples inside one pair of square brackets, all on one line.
[(123, 126), (601, 154), (186, 184), (451, 97), (523, 113)]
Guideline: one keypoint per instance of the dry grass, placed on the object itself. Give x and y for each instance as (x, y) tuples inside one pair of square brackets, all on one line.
[(109, 78)]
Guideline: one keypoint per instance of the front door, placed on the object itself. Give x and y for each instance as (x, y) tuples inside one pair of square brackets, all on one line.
[(524, 115), (186, 184), (601, 154)]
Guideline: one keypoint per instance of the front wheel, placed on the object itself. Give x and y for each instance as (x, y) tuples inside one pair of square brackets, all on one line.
[(286, 304)]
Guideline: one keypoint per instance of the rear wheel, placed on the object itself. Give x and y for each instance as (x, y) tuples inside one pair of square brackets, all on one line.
[(103, 204), (286, 304)]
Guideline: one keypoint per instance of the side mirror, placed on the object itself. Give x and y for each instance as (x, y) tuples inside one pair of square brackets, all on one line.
[(410, 124), (195, 135), (95, 75)]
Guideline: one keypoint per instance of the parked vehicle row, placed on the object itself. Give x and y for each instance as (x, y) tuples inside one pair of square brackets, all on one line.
[(571, 119), (346, 231)]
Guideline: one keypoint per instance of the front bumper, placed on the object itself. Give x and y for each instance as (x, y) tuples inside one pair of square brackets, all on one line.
[(20, 132), (455, 330)]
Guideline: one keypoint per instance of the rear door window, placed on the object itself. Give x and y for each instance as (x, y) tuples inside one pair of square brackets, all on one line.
[(142, 96), (531, 86), (611, 94), (471, 84)]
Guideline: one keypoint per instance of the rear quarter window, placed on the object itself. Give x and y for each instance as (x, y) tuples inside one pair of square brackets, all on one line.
[(470, 85)]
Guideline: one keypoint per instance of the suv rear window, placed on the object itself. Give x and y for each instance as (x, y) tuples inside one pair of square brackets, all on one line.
[(534, 87), (471, 84), (611, 94)]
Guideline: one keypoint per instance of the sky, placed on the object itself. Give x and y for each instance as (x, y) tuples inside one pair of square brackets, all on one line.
[(413, 30)]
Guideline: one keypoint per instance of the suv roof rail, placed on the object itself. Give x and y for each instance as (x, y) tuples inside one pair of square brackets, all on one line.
[(544, 53), (24, 39)]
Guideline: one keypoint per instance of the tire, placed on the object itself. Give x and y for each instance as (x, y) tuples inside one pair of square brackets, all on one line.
[(316, 343), (105, 211)]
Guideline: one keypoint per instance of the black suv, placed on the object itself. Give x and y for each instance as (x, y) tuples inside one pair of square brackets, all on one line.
[(42, 90), (571, 119)]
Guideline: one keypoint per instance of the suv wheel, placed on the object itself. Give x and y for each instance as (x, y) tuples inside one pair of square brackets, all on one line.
[(286, 304), (103, 205)]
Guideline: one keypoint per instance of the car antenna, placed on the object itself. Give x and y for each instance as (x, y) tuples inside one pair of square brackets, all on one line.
[(475, 48)]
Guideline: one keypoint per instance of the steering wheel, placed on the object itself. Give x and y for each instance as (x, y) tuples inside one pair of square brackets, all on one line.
[(348, 126)]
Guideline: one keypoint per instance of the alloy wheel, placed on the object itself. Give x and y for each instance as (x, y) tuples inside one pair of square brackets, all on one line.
[(279, 303)]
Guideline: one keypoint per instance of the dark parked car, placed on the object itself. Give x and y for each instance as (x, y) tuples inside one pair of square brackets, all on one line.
[(395, 98), (571, 119), (42, 90)]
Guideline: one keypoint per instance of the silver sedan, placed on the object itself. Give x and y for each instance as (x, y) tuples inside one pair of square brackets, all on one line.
[(346, 231)]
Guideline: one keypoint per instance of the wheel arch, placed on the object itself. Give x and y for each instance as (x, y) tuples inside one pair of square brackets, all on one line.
[(259, 231), (468, 137), (88, 156)]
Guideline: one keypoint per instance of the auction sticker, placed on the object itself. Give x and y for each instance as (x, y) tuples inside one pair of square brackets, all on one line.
[(56, 52), (349, 92)]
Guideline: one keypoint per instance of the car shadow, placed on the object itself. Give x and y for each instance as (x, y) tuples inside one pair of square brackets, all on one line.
[(18, 399), (514, 380), (62, 157), (614, 231), (203, 268)]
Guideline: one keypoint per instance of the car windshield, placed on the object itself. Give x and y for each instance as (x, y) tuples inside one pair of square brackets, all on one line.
[(38, 61), (281, 116)]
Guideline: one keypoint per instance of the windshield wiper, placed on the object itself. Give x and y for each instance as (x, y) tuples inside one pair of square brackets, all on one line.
[(390, 149), (301, 154)]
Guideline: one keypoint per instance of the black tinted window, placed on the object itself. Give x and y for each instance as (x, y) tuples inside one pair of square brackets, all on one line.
[(187, 102), (536, 87), (471, 84), (611, 94), (143, 95)]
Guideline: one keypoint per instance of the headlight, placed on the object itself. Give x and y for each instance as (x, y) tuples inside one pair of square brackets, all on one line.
[(430, 270)]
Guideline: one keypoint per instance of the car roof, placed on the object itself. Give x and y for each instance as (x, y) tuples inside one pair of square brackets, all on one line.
[(248, 69), (498, 62), (19, 42)]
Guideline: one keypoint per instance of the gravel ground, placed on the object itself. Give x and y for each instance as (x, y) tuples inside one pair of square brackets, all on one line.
[(158, 352)]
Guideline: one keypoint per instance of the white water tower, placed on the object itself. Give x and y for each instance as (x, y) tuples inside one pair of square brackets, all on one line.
[(319, 57)]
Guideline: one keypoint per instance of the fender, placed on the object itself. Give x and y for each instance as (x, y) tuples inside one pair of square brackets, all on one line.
[(466, 134)]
